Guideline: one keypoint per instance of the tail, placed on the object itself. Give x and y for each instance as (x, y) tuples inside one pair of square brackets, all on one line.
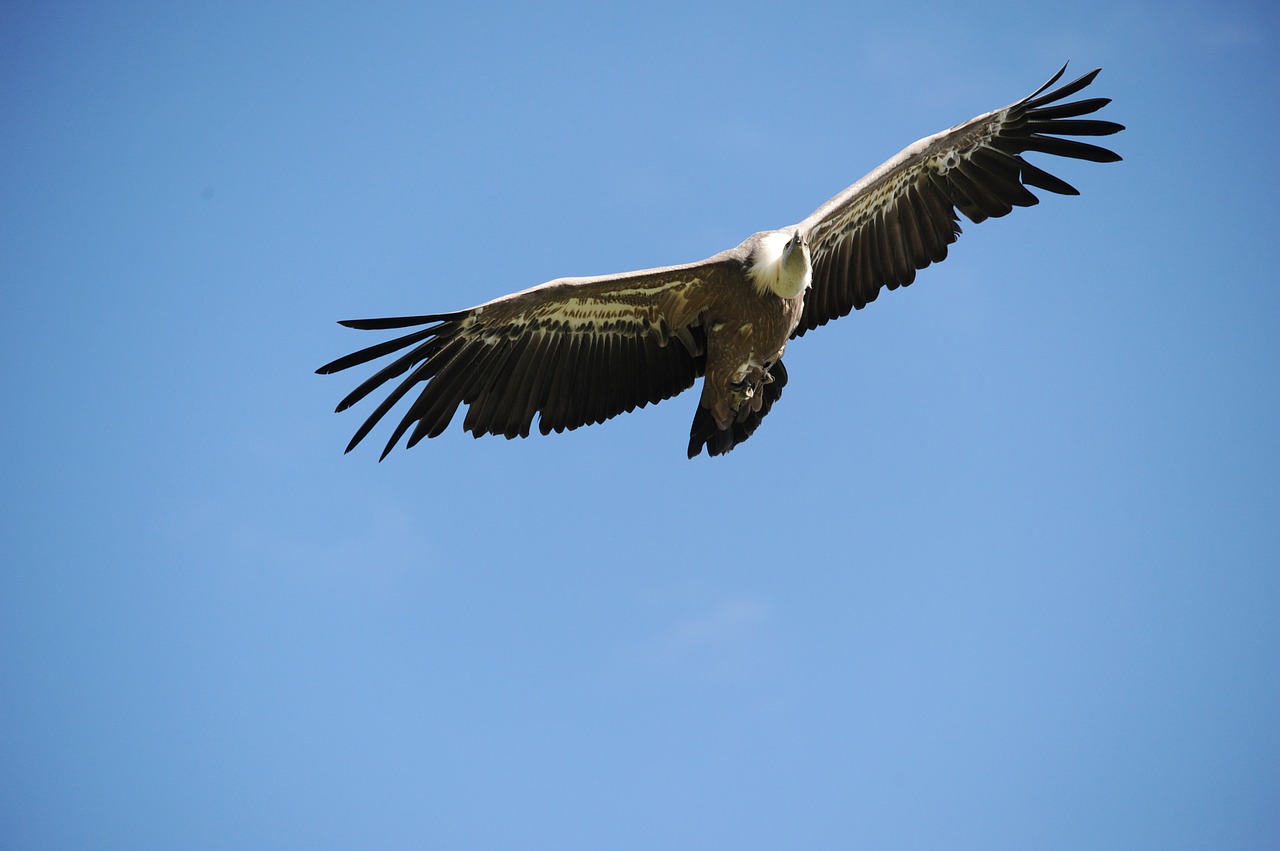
[(706, 433)]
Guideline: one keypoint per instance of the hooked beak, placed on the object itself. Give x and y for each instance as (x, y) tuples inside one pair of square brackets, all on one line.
[(795, 242)]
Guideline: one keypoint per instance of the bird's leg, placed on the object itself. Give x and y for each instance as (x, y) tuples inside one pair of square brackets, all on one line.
[(747, 397)]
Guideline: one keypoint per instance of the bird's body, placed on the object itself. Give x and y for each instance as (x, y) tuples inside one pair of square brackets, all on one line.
[(576, 351)]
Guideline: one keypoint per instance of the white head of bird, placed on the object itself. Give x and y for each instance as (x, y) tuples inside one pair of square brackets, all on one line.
[(780, 264)]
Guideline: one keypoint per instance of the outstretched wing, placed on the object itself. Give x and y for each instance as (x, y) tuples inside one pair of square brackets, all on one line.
[(575, 351), (902, 216)]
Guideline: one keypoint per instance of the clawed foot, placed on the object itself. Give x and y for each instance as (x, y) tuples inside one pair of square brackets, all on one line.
[(752, 377)]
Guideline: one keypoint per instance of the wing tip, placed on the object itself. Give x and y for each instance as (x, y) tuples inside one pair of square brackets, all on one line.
[(389, 322)]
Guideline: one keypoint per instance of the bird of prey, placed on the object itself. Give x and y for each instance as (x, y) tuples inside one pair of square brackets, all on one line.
[(576, 351)]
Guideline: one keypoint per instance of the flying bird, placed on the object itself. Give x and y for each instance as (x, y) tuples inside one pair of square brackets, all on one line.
[(576, 351)]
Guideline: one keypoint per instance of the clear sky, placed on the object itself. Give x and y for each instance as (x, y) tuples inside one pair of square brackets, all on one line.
[(1000, 570)]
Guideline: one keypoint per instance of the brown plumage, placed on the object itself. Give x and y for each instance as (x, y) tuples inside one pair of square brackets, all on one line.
[(576, 351)]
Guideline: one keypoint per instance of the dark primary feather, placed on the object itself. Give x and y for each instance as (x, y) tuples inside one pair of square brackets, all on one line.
[(879, 232)]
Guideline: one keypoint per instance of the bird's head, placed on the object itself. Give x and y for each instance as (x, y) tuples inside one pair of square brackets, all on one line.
[(780, 263), (796, 251)]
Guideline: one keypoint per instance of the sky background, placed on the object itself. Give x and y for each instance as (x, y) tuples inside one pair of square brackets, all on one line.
[(1001, 570)]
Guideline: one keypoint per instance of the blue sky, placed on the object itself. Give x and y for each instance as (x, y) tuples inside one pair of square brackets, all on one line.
[(1001, 569)]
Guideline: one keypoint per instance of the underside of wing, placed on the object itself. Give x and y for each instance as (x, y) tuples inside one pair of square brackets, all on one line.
[(572, 352), (902, 216)]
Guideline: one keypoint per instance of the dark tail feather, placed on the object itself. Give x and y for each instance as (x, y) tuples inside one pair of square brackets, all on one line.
[(717, 442)]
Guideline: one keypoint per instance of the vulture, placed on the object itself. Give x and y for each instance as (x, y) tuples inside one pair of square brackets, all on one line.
[(576, 351)]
